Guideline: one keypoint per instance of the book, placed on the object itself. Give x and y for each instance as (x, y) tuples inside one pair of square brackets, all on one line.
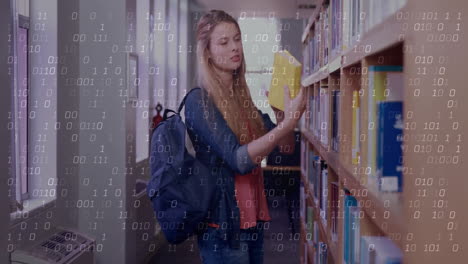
[(379, 10), (316, 232), (317, 111), (355, 148), (316, 242), (324, 113), (306, 61), (310, 223), (319, 165), (379, 250), (323, 252), (356, 233), (336, 22), (335, 204), (312, 112), (345, 30), (324, 194), (383, 82), (325, 34), (304, 157), (306, 249), (350, 229), (286, 71), (315, 180), (335, 119), (311, 171), (302, 197), (389, 146)]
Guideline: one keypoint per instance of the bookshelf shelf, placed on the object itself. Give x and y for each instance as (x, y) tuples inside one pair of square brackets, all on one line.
[(317, 76), (382, 79), (323, 72), (335, 64)]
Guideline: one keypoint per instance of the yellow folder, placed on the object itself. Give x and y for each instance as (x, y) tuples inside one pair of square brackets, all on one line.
[(286, 71)]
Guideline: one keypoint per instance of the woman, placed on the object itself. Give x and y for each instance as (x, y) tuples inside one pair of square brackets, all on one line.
[(232, 136)]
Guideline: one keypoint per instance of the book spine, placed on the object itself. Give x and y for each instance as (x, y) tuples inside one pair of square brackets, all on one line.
[(335, 95), (324, 199), (316, 178), (356, 234), (375, 92), (355, 129), (302, 198), (390, 146)]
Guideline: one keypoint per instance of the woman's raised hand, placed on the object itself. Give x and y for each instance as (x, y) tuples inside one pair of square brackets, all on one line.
[(293, 108)]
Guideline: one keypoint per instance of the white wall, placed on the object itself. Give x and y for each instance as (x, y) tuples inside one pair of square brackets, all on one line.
[(100, 189), (160, 58), (105, 221), (22, 7), (172, 84), (43, 97), (184, 55)]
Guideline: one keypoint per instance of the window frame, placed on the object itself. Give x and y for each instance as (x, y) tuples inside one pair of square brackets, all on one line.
[(16, 194), (24, 23)]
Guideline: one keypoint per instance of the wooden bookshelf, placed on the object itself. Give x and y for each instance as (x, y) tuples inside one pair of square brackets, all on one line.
[(316, 77), (423, 220), (377, 201), (323, 229)]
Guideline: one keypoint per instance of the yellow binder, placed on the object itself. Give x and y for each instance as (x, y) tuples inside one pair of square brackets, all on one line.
[(286, 71)]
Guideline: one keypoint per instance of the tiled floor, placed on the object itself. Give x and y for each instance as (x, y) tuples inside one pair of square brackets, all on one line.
[(281, 246)]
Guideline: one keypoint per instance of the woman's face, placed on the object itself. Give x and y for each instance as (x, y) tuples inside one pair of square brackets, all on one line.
[(226, 46)]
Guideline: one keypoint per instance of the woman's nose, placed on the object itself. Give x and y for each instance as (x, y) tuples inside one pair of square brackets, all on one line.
[(235, 46)]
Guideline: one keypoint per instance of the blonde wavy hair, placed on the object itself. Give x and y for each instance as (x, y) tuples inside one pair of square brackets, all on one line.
[(235, 104)]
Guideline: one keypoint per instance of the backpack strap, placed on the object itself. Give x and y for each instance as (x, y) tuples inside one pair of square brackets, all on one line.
[(166, 112), (182, 104)]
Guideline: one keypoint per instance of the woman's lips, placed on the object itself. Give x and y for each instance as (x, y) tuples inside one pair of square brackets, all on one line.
[(235, 58)]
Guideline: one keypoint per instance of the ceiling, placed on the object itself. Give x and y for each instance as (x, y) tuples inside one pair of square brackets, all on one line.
[(262, 8)]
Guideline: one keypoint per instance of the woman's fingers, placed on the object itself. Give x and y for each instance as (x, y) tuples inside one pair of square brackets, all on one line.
[(300, 102), (287, 96)]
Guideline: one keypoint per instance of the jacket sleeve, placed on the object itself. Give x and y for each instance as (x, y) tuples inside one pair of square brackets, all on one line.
[(269, 125), (215, 133)]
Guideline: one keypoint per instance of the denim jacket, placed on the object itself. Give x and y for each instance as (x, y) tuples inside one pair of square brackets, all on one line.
[(217, 147)]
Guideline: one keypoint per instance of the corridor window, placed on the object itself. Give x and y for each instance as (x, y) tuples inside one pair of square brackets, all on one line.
[(33, 119), (18, 181), (261, 39)]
